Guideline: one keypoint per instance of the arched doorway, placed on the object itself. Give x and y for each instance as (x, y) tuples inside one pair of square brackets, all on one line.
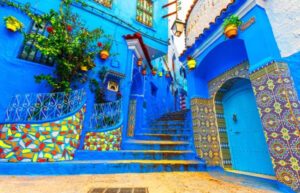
[(243, 144)]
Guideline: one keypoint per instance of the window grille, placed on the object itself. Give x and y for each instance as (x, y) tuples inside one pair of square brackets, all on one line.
[(144, 12), (30, 53)]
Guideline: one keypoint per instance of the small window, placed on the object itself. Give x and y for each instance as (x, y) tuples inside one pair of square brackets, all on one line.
[(144, 12), (30, 52), (106, 3)]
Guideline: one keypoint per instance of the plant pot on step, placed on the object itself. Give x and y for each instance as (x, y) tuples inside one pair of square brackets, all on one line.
[(104, 54), (144, 72)]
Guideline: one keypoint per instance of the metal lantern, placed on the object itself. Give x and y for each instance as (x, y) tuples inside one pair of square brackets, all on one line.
[(178, 27)]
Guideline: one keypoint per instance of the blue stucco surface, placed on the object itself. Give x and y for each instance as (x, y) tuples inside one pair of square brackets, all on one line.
[(18, 75)]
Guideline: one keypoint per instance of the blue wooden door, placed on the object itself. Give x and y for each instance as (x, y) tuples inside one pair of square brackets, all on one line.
[(247, 142)]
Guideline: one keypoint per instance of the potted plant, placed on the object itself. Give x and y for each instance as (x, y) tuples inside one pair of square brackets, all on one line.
[(144, 71), (105, 52), (167, 74), (13, 24), (191, 63), (140, 62), (231, 25), (160, 74), (154, 71)]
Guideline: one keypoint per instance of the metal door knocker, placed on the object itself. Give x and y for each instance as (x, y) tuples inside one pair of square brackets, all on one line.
[(234, 118)]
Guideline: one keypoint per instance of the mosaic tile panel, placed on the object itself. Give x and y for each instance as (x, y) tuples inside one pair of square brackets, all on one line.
[(205, 131), (103, 141), (131, 118), (279, 109), (54, 141), (240, 71)]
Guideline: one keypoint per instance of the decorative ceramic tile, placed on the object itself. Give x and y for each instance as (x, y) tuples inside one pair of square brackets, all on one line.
[(103, 141), (205, 131), (131, 118), (55, 141), (240, 71), (279, 109)]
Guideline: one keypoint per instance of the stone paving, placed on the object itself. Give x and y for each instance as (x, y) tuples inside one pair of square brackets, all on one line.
[(156, 182)]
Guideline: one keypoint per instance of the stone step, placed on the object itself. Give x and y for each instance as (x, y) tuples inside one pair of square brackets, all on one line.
[(135, 155), (173, 137), (101, 167), (166, 131), (166, 127), (157, 145)]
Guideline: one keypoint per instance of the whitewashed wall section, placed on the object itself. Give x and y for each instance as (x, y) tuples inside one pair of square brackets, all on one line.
[(204, 12)]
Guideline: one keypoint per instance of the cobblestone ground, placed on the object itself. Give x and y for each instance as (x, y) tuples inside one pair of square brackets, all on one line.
[(156, 182)]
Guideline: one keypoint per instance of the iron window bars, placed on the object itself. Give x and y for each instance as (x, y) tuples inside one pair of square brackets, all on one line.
[(144, 12), (30, 53)]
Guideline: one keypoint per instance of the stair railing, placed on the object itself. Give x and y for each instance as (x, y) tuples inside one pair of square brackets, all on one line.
[(106, 115), (42, 107)]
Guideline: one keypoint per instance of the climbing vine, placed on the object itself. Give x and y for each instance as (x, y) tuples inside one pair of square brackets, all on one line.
[(68, 41)]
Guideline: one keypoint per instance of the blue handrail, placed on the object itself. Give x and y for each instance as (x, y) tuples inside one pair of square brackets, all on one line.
[(44, 107)]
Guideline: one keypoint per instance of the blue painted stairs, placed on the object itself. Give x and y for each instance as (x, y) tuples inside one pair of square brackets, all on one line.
[(165, 146)]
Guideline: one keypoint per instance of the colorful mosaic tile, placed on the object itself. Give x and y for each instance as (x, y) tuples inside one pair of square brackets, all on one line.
[(55, 141), (240, 71), (131, 119), (279, 109), (205, 131), (103, 141)]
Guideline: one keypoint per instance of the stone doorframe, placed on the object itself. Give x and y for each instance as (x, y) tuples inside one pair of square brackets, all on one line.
[(279, 110)]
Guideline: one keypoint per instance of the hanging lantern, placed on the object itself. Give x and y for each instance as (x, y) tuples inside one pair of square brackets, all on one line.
[(191, 63), (140, 62), (178, 27)]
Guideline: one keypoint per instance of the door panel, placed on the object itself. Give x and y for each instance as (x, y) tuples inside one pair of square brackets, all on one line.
[(247, 142)]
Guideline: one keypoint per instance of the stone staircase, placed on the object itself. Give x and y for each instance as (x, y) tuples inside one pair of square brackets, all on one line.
[(165, 146)]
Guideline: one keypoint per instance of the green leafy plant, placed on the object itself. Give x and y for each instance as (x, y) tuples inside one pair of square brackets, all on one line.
[(232, 20), (68, 42), (98, 91), (107, 43)]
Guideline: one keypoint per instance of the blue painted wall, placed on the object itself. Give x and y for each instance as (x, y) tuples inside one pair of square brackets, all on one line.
[(256, 45), (17, 76), (294, 65)]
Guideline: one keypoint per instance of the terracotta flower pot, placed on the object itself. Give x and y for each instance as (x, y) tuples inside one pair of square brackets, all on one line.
[(104, 54), (153, 72), (144, 72), (191, 64), (231, 31), (168, 75), (140, 62)]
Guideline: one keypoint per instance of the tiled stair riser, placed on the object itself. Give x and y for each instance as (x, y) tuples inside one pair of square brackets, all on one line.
[(103, 141), (53, 141)]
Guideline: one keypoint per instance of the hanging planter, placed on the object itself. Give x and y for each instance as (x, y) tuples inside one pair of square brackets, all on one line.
[(154, 71), (168, 75), (13, 24), (104, 54), (84, 68), (144, 72), (191, 63), (140, 62), (231, 25)]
